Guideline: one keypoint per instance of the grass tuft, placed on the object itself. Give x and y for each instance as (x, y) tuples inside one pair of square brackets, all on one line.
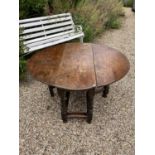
[(113, 23)]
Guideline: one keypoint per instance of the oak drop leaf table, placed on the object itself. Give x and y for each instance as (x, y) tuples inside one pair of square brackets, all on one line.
[(77, 66)]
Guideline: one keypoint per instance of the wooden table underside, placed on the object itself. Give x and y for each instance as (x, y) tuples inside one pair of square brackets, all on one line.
[(65, 94), (76, 66)]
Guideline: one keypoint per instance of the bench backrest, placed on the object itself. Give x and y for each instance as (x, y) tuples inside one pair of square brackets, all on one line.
[(35, 29)]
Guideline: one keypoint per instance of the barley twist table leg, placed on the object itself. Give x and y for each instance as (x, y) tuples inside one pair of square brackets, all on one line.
[(64, 96), (105, 91), (90, 97), (51, 90)]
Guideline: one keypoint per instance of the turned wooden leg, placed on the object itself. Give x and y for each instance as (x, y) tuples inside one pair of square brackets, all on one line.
[(90, 97), (105, 91), (51, 90), (64, 96)]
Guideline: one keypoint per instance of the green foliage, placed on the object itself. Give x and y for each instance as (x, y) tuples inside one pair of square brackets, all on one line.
[(22, 61), (97, 15), (31, 8), (87, 28), (113, 22), (61, 6), (128, 3), (75, 3), (21, 44), (94, 15), (22, 68)]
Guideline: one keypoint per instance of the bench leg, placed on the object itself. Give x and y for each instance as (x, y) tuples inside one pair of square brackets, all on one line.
[(90, 97), (51, 90), (105, 91), (64, 96), (81, 39)]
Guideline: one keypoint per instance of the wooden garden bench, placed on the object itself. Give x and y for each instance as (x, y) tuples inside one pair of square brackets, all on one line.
[(41, 32)]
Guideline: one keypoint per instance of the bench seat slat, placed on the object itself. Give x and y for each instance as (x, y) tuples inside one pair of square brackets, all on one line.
[(43, 18), (54, 43), (52, 39), (42, 32), (46, 27), (46, 37), (48, 21), (47, 32)]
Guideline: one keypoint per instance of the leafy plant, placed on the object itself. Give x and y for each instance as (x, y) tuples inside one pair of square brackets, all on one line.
[(94, 15), (64, 5), (128, 3), (88, 30), (113, 22), (22, 60), (22, 68), (31, 8)]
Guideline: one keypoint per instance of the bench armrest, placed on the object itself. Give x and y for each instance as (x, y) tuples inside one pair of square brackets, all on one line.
[(78, 28)]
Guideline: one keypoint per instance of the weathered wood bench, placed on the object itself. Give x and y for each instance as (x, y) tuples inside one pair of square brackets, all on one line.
[(41, 32)]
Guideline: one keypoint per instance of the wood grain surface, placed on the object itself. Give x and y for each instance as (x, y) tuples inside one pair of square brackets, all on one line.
[(77, 66), (110, 65)]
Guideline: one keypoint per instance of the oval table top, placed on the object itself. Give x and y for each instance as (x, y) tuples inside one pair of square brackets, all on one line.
[(78, 66)]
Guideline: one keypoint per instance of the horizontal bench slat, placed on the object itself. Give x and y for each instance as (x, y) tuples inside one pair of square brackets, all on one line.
[(54, 43), (52, 39), (43, 18), (46, 37), (47, 32), (45, 22), (42, 32), (46, 27)]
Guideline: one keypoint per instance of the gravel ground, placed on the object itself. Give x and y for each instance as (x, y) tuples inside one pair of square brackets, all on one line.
[(112, 130)]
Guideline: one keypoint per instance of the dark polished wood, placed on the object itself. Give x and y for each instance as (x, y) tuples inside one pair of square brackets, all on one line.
[(67, 66), (90, 97), (110, 65), (77, 66), (64, 96), (77, 115), (51, 90), (105, 91)]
